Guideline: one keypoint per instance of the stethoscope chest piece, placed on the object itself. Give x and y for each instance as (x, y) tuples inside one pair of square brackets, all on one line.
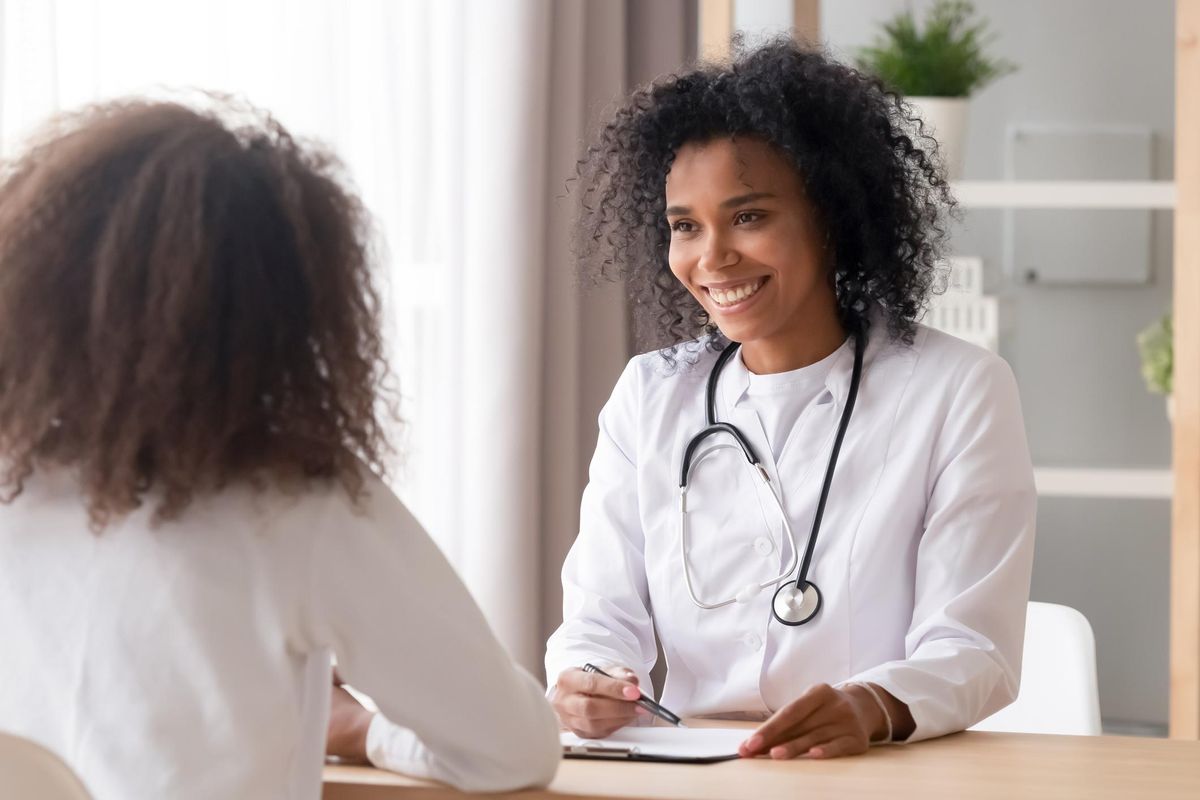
[(795, 606)]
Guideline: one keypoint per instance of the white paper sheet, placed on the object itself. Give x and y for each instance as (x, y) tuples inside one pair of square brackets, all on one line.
[(664, 742)]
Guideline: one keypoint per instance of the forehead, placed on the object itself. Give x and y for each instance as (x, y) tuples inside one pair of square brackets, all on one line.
[(727, 164)]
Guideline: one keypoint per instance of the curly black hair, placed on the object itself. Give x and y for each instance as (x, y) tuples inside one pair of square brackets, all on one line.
[(866, 164)]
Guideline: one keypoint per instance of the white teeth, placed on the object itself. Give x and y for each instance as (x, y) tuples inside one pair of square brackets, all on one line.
[(726, 297)]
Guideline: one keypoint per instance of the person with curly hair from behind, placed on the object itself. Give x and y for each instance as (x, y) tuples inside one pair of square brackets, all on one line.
[(191, 444), (821, 510)]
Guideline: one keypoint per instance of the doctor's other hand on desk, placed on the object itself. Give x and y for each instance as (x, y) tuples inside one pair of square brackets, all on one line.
[(827, 722)]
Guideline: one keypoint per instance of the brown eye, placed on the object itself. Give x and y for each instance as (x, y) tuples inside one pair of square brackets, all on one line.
[(745, 217), (682, 226)]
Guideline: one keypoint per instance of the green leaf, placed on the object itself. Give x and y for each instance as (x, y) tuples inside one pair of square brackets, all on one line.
[(1157, 349), (944, 59)]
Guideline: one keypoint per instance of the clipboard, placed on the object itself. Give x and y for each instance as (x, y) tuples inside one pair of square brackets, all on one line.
[(659, 744)]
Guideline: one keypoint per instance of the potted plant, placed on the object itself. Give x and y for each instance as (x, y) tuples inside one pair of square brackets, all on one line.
[(937, 67), (1156, 346)]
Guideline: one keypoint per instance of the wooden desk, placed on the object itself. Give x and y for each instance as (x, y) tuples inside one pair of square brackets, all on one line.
[(965, 766)]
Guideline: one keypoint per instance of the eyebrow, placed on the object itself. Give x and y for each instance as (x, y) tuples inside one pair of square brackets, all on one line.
[(741, 199)]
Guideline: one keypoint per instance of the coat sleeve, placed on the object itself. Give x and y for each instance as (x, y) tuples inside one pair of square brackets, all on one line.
[(606, 603), (974, 561), (454, 707)]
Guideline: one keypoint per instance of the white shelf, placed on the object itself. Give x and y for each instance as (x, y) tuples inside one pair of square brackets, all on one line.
[(1064, 194), (1121, 483)]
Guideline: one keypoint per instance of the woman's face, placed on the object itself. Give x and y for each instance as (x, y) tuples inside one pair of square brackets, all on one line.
[(746, 243)]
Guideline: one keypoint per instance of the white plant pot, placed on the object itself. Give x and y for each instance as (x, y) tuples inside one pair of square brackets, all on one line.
[(945, 119)]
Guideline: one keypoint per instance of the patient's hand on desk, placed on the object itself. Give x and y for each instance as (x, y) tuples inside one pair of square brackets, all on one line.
[(825, 722), (348, 723), (594, 706)]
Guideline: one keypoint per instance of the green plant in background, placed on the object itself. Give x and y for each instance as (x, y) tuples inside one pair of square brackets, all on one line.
[(1155, 344), (946, 59)]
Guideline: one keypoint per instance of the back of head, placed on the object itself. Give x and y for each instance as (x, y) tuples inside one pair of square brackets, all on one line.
[(186, 304)]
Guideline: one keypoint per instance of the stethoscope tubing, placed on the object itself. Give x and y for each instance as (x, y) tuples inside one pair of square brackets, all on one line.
[(712, 428), (683, 537), (847, 411)]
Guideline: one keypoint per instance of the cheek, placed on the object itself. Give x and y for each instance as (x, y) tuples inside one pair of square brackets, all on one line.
[(682, 268), (680, 264), (797, 263)]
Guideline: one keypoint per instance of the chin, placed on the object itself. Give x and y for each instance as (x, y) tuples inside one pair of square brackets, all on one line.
[(739, 333)]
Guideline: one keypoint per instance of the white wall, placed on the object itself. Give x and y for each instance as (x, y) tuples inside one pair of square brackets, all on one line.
[(1072, 347)]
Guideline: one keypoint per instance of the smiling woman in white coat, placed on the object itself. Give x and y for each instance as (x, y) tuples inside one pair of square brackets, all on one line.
[(846, 555)]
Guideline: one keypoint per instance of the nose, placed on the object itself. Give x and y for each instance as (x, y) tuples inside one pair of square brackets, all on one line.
[(718, 253)]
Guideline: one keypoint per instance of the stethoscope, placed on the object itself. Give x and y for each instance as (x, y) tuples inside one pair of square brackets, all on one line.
[(796, 602)]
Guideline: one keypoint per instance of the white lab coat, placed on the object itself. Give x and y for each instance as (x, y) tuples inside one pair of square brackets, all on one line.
[(923, 559)]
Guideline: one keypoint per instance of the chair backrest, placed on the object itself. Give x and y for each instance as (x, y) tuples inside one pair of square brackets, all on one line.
[(29, 770), (1058, 693)]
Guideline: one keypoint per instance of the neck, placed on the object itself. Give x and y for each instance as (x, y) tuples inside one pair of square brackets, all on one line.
[(793, 349)]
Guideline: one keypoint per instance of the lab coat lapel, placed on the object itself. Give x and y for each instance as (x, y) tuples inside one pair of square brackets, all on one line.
[(809, 444), (735, 381), (800, 471), (871, 428)]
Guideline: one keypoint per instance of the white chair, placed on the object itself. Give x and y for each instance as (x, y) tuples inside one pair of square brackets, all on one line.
[(1058, 677), (29, 770)]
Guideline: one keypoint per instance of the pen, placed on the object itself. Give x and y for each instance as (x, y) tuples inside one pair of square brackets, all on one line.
[(645, 702)]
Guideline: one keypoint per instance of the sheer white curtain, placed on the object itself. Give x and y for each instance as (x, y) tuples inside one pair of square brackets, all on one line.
[(377, 81), (458, 121)]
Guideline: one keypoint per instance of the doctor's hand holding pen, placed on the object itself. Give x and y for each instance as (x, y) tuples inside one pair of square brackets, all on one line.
[(595, 704)]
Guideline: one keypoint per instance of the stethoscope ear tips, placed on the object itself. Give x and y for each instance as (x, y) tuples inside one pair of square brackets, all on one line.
[(793, 605)]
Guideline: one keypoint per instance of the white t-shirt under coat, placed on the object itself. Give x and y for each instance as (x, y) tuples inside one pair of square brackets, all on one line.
[(781, 398)]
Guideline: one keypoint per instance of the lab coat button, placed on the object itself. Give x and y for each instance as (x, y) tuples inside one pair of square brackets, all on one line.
[(763, 546), (752, 641)]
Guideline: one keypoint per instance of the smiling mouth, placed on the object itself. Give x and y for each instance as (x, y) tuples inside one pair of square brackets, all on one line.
[(727, 297)]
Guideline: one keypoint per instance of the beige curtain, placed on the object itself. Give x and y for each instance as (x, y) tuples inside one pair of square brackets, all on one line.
[(540, 353)]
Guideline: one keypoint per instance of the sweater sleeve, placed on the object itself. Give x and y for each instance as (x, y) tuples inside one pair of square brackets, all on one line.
[(405, 630)]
